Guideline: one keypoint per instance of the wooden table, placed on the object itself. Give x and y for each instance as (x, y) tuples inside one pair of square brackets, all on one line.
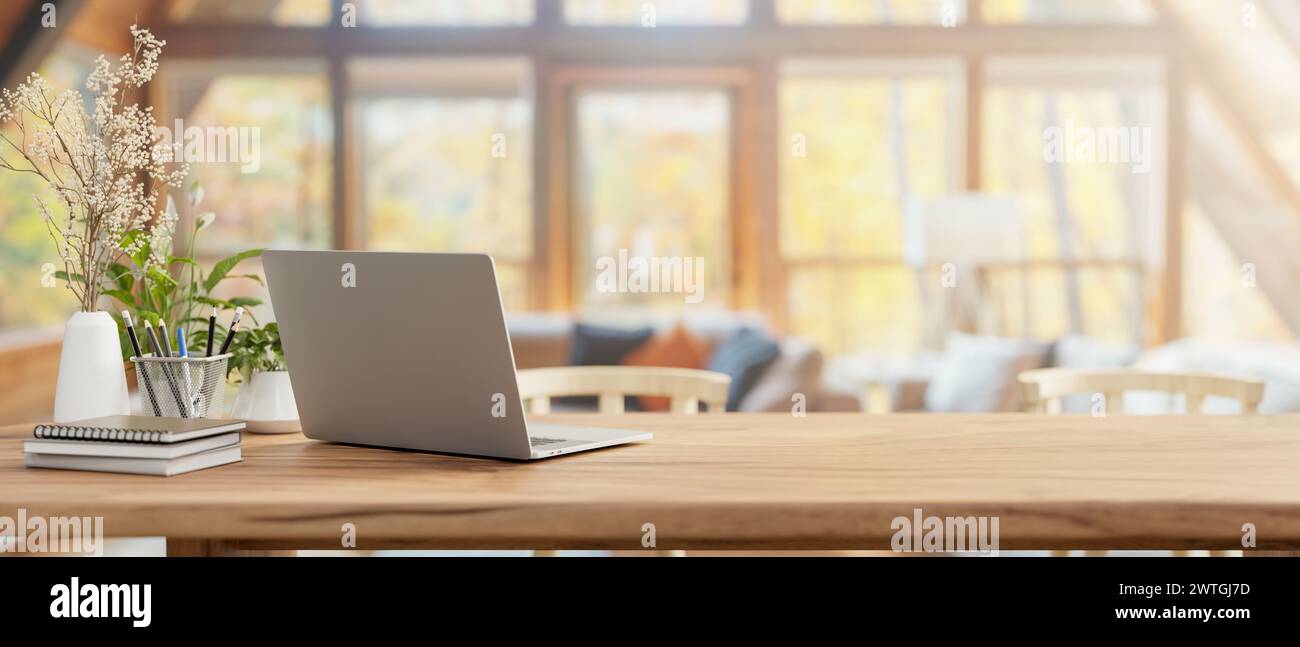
[(769, 481)]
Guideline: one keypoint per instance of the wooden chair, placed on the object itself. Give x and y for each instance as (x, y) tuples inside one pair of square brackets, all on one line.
[(685, 387), (1044, 388)]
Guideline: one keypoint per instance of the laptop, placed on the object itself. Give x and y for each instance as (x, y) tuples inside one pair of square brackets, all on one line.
[(409, 351)]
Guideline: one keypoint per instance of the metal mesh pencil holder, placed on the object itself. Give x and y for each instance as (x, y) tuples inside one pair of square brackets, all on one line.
[(182, 387)]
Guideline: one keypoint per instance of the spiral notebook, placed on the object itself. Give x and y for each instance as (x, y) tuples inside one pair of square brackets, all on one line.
[(164, 451), (137, 429)]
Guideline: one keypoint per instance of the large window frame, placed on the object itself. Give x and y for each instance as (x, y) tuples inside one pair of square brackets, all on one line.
[(757, 47), (1143, 257), (165, 96), (848, 70), (491, 78), (565, 239)]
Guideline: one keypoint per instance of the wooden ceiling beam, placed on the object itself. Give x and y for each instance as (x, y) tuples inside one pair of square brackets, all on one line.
[(31, 41), (1286, 17), (665, 44), (1212, 79), (104, 25)]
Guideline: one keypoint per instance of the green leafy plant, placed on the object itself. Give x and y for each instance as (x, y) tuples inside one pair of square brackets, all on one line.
[(178, 292), (258, 349)]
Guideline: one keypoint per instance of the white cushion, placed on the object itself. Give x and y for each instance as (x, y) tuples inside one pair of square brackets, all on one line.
[(1082, 352), (978, 374), (797, 369)]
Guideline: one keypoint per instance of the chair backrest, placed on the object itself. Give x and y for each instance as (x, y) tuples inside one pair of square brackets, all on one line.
[(1044, 388), (686, 388)]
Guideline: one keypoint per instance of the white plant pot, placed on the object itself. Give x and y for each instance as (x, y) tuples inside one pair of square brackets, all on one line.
[(266, 404), (92, 378)]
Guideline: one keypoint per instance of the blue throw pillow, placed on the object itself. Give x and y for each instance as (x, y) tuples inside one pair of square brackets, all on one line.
[(600, 346), (744, 356)]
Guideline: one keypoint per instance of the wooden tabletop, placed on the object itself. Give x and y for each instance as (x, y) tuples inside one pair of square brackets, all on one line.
[(728, 481)]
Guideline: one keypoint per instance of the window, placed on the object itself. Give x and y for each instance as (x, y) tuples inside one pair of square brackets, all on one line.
[(463, 13), (271, 12), (904, 12), (1067, 11), (270, 183), (266, 164), (649, 155), (653, 181), (1079, 144), (446, 149), (661, 12), (859, 141), (28, 257)]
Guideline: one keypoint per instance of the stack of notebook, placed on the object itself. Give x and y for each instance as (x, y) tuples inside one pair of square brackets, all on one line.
[(135, 445)]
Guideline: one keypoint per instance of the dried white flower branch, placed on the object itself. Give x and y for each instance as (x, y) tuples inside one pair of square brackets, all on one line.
[(105, 168)]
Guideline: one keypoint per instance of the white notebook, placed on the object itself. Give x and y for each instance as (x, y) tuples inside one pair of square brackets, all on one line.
[(152, 466), (129, 450), (137, 429)]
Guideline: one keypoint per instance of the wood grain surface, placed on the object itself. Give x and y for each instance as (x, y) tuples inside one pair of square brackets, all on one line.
[(738, 481)]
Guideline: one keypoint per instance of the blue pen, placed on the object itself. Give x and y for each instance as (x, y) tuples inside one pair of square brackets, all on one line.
[(182, 351)]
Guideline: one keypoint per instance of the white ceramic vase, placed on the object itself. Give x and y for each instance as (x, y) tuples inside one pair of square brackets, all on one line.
[(266, 404), (92, 379)]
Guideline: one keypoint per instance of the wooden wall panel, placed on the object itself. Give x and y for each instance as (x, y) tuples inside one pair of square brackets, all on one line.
[(10, 13), (105, 24), (29, 369)]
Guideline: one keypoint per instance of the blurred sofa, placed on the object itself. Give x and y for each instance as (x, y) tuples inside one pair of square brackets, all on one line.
[(544, 339), (1277, 364), (978, 374)]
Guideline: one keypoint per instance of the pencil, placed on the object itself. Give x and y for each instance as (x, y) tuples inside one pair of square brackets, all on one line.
[(171, 381), (144, 369), (212, 330), (234, 328)]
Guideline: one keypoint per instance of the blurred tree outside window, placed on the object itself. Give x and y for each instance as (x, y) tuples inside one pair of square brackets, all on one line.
[(860, 140), (653, 180), (29, 296), (280, 196), (446, 149), (1090, 214)]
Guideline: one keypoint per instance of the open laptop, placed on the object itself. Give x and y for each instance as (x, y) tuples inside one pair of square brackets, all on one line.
[(409, 351)]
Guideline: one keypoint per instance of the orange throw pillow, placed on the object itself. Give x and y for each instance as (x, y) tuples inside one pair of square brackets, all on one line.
[(677, 348)]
